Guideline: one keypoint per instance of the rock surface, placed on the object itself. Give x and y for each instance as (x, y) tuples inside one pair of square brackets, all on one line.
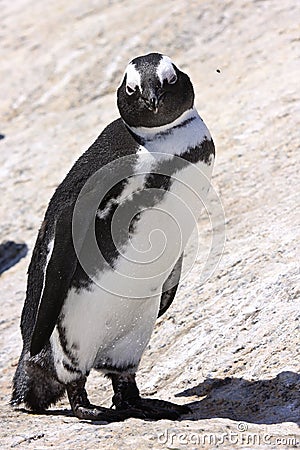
[(229, 347)]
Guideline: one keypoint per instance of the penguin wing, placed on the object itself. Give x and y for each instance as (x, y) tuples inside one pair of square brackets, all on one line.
[(170, 287), (57, 278), (46, 296)]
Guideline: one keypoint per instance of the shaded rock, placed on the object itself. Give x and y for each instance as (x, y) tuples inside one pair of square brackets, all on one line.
[(10, 254)]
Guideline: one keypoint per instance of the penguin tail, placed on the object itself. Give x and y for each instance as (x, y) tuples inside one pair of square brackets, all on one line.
[(34, 386)]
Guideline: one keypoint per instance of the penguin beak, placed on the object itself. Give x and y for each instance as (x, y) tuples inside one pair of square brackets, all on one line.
[(151, 100)]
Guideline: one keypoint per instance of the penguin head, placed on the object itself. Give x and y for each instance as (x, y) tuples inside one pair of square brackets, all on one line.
[(154, 92)]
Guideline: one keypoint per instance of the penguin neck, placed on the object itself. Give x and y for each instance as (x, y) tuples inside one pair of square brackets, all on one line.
[(186, 132), (147, 134)]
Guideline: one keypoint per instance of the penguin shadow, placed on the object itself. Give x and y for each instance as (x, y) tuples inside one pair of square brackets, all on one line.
[(270, 401)]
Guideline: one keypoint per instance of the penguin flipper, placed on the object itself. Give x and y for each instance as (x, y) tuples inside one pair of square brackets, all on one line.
[(170, 287), (58, 275)]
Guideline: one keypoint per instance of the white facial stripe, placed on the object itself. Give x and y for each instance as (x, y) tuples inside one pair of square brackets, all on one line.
[(165, 69), (133, 77)]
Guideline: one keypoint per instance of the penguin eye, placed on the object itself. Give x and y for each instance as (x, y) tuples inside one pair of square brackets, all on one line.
[(173, 79), (129, 90)]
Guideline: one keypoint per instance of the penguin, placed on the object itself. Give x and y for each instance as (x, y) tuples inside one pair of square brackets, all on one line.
[(108, 256)]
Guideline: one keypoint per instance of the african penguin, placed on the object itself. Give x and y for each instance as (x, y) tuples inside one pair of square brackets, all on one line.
[(107, 259)]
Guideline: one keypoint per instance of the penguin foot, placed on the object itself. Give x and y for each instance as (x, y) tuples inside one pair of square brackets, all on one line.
[(83, 409), (127, 398)]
